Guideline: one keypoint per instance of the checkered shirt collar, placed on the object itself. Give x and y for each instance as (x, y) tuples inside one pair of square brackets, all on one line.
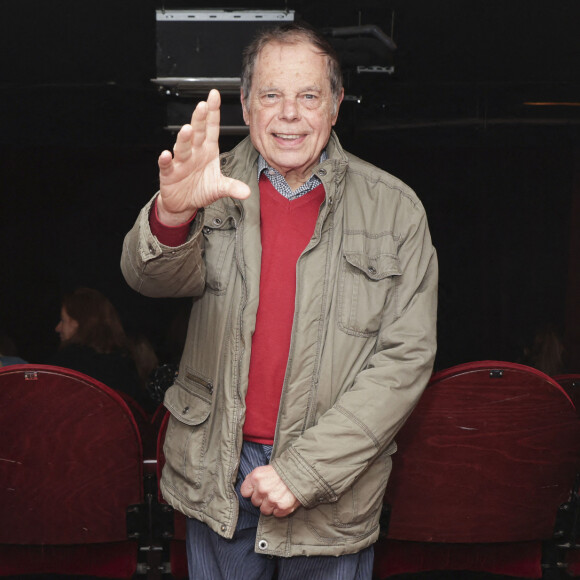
[(281, 185)]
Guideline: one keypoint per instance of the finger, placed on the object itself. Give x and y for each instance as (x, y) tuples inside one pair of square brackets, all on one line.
[(266, 506), (213, 115), (246, 489), (165, 160), (282, 513), (199, 124), (182, 147), (257, 501), (199, 114)]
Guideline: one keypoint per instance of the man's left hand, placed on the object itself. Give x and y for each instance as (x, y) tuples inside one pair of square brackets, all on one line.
[(267, 491)]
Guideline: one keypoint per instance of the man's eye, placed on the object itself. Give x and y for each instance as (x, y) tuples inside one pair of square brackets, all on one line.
[(309, 97)]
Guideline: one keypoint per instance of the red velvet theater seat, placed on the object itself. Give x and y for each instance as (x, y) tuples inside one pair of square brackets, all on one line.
[(483, 465), (143, 421), (70, 465), (156, 422)]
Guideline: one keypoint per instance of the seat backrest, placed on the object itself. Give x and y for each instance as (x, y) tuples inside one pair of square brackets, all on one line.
[(70, 458), (162, 430), (143, 421), (488, 455), (156, 421)]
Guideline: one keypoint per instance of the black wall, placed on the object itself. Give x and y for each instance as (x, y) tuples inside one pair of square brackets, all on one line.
[(82, 126)]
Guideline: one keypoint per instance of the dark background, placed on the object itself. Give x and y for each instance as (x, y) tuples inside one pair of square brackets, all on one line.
[(81, 126)]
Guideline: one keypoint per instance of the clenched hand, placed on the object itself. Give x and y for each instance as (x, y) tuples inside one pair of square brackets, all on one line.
[(267, 491)]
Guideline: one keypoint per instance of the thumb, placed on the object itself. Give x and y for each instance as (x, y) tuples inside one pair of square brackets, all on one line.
[(235, 188)]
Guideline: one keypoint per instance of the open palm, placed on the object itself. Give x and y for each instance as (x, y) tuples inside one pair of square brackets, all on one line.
[(191, 178)]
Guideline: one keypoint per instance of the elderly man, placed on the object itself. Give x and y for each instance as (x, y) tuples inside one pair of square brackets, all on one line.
[(312, 329)]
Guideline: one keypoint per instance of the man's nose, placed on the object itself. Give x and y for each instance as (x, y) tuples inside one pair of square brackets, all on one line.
[(289, 109)]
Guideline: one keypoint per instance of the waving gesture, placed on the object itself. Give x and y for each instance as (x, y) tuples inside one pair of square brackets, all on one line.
[(191, 178)]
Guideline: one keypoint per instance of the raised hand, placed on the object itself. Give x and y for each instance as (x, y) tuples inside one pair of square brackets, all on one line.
[(268, 492), (191, 178)]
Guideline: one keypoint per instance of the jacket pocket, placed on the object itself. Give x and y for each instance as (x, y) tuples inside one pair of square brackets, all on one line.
[(219, 234), (368, 273), (186, 441)]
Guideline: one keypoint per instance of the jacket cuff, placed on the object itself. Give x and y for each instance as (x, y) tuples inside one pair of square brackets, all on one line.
[(303, 480), (172, 236)]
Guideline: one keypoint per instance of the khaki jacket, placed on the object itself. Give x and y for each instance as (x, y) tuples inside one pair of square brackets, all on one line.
[(362, 350)]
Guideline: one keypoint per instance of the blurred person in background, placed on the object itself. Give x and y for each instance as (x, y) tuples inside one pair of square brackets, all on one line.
[(9, 352), (93, 342)]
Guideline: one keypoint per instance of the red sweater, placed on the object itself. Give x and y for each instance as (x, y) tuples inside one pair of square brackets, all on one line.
[(286, 229)]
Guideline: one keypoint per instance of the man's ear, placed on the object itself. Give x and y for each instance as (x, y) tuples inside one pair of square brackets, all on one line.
[(244, 110), (339, 101)]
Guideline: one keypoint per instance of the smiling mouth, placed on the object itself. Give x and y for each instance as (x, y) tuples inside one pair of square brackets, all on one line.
[(286, 137)]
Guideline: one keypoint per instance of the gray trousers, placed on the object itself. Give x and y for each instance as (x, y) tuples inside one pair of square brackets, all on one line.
[(212, 557)]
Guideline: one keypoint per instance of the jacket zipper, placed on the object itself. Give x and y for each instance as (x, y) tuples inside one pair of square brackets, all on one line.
[(200, 381), (322, 218)]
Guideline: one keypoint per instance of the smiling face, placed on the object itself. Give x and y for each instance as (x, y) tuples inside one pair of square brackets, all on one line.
[(290, 109)]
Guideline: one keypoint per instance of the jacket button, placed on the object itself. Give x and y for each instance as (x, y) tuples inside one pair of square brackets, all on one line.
[(217, 221), (185, 410), (224, 161), (322, 171), (372, 270), (262, 544), (223, 528)]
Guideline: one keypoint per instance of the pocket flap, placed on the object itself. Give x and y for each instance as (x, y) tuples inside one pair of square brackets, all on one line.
[(189, 400), (374, 267), (217, 218)]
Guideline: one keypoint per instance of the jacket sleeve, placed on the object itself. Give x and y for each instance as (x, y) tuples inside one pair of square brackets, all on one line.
[(160, 271), (330, 456)]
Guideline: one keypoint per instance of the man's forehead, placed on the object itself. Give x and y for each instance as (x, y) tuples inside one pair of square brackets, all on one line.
[(279, 61), (275, 48)]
